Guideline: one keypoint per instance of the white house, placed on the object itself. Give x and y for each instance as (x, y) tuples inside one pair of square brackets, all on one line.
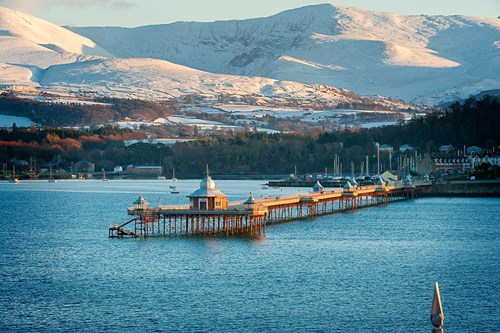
[(386, 147), (406, 147)]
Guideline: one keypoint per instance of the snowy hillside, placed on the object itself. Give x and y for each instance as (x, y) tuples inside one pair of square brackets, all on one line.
[(145, 78), (36, 55), (27, 30), (28, 45), (294, 60), (427, 59)]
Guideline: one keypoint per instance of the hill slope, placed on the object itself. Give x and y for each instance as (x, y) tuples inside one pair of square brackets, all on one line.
[(25, 39), (42, 56), (146, 78), (418, 58)]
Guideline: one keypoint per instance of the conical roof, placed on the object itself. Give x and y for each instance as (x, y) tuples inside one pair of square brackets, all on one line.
[(318, 187), (348, 186), (250, 200), (140, 201)]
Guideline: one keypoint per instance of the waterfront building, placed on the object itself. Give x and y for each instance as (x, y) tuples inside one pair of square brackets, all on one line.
[(143, 170), (477, 160), (207, 197), (452, 165)]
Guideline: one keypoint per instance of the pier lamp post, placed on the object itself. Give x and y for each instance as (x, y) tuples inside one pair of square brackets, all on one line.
[(378, 157), (437, 315)]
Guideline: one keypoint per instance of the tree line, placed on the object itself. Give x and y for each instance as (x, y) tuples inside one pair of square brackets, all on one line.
[(102, 111), (473, 122)]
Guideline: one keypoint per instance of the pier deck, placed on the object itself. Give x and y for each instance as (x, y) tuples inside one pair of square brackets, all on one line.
[(251, 218)]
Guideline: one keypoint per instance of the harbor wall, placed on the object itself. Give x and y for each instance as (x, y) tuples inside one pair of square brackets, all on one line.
[(473, 188)]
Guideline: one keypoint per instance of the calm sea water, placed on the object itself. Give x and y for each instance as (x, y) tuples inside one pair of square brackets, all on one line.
[(368, 271)]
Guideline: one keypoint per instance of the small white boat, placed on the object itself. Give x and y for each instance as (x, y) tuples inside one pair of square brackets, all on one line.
[(14, 180), (161, 178), (174, 190), (173, 175), (52, 180)]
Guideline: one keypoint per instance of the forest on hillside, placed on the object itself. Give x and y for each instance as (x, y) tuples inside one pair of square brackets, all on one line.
[(473, 122), (101, 111)]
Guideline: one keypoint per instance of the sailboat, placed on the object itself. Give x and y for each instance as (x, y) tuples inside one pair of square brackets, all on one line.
[(51, 180), (31, 173), (104, 179), (173, 175), (14, 179), (174, 190)]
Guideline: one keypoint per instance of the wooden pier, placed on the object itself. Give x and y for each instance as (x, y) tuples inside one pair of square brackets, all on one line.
[(209, 213)]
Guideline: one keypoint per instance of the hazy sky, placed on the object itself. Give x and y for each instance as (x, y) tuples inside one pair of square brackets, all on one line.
[(131, 13)]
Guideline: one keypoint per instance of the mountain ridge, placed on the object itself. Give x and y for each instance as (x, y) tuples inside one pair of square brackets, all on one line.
[(315, 52), (38, 56), (347, 44)]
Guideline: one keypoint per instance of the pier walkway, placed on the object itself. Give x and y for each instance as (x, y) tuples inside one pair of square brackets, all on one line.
[(209, 213)]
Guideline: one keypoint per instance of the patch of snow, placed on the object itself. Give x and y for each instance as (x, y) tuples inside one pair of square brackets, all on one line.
[(378, 124)]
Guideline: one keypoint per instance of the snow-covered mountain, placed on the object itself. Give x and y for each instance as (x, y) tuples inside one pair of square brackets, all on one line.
[(25, 39), (426, 59), (36, 55), (298, 56)]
